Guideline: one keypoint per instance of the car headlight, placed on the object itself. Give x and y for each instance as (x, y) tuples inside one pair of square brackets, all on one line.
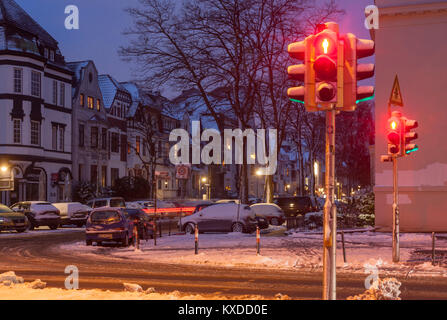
[(5, 220)]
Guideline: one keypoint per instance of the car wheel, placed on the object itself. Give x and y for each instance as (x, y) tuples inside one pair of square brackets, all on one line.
[(125, 241), (31, 226), (189, 228), (237, 227), (79, 225), (88, 242), (54, 226), (21, 230), (274, 222)]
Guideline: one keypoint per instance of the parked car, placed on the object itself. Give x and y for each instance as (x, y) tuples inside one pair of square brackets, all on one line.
[(11, 220), (39, 213), (107, 202), (237, 201), (270, 211), (109, 224), (294, 206), (145, 225), (73, 213), (226, 217), (203, 206), (262, 222)]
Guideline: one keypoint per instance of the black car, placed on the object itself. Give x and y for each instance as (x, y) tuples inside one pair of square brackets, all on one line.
[(144, 223), (294, 206)]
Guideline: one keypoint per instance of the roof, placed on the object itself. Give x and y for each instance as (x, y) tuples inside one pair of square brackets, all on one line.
[(77, 69), (13, 15), (109, 88)]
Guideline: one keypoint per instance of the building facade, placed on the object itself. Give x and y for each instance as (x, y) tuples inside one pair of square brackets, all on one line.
[(410, 44), (35, 108)]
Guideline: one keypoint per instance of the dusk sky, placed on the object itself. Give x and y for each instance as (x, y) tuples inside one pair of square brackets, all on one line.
[(103, 21)]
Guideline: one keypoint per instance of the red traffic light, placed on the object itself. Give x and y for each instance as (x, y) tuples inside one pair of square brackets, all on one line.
[(325, 68), (394, 133), (325, 43)]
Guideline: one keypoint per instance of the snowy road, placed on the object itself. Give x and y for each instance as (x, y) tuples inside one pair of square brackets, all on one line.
[(38, 256)]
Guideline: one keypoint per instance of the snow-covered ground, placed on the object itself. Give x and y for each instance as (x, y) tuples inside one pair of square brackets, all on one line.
[(38, 231), (299, 250), (12, 287)]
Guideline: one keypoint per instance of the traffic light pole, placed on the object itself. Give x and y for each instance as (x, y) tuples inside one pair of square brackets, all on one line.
[(330, 213), (396, 245)]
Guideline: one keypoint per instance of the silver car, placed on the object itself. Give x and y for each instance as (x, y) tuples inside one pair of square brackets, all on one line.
[(225, 217)]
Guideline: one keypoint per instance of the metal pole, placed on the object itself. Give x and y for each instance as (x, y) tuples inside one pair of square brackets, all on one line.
[(344, 248), (433, 248), (396, 246), (330, 213), (196, 240), (258, 241)]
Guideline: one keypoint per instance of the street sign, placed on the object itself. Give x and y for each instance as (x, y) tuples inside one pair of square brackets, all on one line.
[(182, 171), (396, 94)]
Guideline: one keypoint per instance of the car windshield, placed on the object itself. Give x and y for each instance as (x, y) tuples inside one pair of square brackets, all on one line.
[(117, 203), (4, 209), (105, 217)]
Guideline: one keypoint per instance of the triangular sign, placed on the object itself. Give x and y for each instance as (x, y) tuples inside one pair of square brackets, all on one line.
[(396, 94)]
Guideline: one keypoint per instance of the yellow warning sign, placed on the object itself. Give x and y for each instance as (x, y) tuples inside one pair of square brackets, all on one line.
[(396, 94)]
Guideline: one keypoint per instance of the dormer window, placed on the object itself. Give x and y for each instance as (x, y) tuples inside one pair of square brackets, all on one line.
[(52, 55), (46, 53)]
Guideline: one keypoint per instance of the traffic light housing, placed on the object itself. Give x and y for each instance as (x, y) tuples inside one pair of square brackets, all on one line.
[(355, 49), (304, 73), (394, 134), (408, 136)]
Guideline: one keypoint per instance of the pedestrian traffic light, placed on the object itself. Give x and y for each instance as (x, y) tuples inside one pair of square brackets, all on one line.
[(394, 134), (326, 46), (304, 73), (355, 49), (409, 136)]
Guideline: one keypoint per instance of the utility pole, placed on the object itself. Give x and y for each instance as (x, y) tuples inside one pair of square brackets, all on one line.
[(396, 244), (330, 213)]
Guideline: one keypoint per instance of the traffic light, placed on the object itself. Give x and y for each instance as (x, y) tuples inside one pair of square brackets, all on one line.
[(304, 73), (394, 134), (355, 49), (326, 46), (408, 136)]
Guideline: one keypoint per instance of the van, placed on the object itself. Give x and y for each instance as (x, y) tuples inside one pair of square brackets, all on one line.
[(73, 213), (116, 202)]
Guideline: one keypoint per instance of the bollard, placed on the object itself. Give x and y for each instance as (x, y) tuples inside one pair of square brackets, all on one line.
[(159, 228), (154, 233), (343, 244), (196, 239), (169, 226), (258, 241), (433, 248), (136, 238)]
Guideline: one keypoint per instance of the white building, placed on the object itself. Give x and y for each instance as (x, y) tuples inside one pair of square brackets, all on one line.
[(411, 43), (35, 109)]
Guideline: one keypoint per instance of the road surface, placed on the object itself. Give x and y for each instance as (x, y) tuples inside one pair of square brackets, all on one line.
[(33, 257)]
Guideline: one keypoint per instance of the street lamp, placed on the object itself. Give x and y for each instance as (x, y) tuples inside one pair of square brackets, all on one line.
[(4, 169)]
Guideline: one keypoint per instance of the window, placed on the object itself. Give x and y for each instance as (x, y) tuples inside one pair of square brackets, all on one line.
[(94, 138), (98, 104), (129, 148), (35, 83), (138, 145), (90, 103), (17, 131), (81, 135), (104, 138), (93, 174), (61, 138), (82, 100), (104, 176), (35, 133), (62, 95), (115, 175), (46, 53), (54, 136), (54, 92), (51, 55), (115, 142), (18, 80)]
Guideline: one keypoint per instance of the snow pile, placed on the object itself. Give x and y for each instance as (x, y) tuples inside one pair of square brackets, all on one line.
[(13, 287), (386, 289)]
